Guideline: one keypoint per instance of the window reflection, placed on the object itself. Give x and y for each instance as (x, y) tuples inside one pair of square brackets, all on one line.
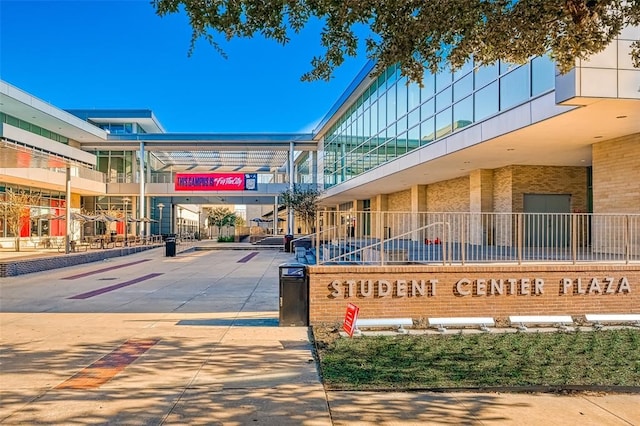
[(413, 96), (391, 105), (402, 124), (414, 117), (427, 109), (463, 113), (401, 95), (401, 144), (468, 66), (427, 131), (463, 87), (443, 80), (428, 85), (486, 101), (485, 75), (514, 87), (443, 99), (543, 72), (443, 123), (505, 67), (414, 137)]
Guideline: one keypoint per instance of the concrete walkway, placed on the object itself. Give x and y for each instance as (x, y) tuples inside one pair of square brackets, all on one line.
[(194, 339)]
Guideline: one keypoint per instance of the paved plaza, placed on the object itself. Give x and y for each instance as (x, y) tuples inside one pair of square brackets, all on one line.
[(194, 339)]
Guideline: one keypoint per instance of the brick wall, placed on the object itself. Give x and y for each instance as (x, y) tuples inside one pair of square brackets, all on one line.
[(449, 195), (400, 201), (512, 182), (616, 175), (15, 267), (481, 190), (550, 180), (502, 192), (602, 295)]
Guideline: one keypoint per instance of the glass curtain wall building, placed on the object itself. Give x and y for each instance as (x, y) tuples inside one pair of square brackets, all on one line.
[(393, 117)]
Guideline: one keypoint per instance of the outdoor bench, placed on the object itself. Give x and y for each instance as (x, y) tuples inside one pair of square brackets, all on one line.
[(559, 321), (74, 246), (79, 246), (442, 323), (397, 323), (598, 319)]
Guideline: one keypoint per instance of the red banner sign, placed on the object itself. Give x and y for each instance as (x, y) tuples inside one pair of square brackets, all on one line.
[(350, 319), (215, 182)]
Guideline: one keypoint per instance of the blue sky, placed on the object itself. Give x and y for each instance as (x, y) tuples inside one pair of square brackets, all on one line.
[(120, 54)]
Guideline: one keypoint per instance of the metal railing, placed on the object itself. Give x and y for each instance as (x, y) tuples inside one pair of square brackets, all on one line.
[(379, 238)]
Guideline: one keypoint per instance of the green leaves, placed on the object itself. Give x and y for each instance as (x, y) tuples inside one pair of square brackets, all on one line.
[(419, 34), (221, 217), (303, 201)]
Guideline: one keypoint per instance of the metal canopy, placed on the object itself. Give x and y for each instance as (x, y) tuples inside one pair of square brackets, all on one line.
[(205, 142), (204, 152), (223, 161)]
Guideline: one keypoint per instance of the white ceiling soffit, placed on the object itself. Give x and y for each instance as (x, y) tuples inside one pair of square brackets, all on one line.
[(20, 104)]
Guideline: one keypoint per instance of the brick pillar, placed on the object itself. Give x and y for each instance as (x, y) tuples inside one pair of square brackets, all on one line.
[(358, 213), (379, 205), (418, 209), (480, 201)]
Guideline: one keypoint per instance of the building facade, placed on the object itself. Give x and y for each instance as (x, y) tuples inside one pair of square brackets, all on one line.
[(501, 138)]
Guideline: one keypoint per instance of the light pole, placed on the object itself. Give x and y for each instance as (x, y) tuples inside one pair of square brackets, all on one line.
[(199, 221), (179, 221), (160, 207), (126, 201)]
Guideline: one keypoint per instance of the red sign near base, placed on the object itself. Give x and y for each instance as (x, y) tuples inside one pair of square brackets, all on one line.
[(350, 319)]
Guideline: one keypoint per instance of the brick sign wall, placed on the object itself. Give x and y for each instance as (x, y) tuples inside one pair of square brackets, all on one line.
[(425, 291)]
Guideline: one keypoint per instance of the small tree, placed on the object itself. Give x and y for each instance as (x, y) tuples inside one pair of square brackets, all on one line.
[(304, 202), (222, 217), (16, 209)]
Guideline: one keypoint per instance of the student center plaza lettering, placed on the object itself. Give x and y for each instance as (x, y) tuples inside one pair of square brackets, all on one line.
[(478, 287), (494, 190)]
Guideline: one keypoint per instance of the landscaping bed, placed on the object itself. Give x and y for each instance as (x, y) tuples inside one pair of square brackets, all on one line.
[(554, 360)]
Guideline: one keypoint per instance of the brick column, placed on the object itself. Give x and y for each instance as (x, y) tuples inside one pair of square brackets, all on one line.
[(480, 201), (379, 205), (418, 208)]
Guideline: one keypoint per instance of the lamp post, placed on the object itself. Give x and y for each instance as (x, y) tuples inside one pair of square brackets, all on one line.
[(179, 221), (126, 201), (199, 222), (160, 207)]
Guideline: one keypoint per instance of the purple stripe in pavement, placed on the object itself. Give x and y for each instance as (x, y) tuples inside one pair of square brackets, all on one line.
[(113, 287), (247, 257), (97, 271)]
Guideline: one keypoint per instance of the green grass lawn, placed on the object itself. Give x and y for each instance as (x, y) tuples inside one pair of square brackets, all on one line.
[(580, 358)]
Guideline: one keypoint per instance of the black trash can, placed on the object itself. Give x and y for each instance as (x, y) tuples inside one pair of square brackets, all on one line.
[(287, 243), (170, 245), (294, 295)]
